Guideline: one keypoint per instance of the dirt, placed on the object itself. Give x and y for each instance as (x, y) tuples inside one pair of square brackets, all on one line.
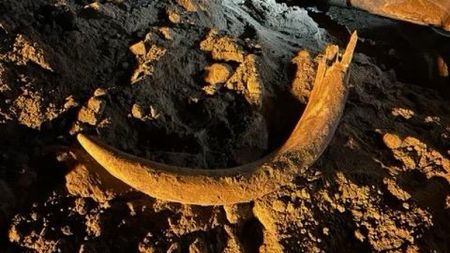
[(207, 84)]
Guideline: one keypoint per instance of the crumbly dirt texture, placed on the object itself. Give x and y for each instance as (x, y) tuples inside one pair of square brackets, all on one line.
[(209, 84)]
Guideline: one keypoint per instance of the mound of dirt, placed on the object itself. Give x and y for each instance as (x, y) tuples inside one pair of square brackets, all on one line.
[(209, 84)]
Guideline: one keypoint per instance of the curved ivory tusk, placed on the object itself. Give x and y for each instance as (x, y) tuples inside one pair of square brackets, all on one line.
[(422, 12), (308, 140)]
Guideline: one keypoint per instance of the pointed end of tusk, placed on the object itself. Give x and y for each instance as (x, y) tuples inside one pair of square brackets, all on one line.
[(85, 141), (81, 138), (348, 54), (106, 156), (95, 149)]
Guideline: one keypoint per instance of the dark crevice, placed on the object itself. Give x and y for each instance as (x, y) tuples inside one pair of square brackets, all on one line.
[(252, 235)]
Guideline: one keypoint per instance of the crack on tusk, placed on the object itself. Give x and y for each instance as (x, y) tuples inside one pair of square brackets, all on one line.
[(245, 183)]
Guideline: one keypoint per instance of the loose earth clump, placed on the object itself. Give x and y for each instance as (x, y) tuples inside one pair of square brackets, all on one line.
[(211, 84)]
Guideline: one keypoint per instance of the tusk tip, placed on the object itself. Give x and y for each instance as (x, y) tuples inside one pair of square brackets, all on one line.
[(87, 143), (82, 138)]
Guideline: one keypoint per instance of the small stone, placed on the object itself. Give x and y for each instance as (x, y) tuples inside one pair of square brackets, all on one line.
[(154, 114), (146, 248), (149, 37), (222, 48), (92, 112), (80, 206), (70, 103), (217, 73), (340, 208), (210, 89), (392, 141), (137, 111), (406, 206), (93, 225), (173, 16), (99, 92), (138, 49), (66, 230), (246, 80), (87, 116), (166, 32), (34, 216), (188, 5), (92, 10), (13, 234), (95, 6), (403, 112), (96, 105)]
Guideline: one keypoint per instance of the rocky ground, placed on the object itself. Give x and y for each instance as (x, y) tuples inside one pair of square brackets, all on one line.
[(207, 84)]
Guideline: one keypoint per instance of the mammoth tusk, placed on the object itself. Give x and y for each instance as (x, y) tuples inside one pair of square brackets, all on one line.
[(422, 12), (245, 183)]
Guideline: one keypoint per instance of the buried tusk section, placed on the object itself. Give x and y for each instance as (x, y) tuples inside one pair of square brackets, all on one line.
[(245, 183), (434, 13)]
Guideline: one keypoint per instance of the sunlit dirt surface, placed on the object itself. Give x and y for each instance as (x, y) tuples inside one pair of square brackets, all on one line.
[(208, 84)]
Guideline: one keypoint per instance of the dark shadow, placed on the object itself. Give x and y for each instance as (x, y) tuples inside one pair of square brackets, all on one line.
[(251, 235), (431, 194)]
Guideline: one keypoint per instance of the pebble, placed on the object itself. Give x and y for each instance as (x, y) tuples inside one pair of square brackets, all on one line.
[(166, 32), (217, 73), (92, 112), (138, 49), (173, 16), (406, 206), (392, 141), (66, 230), (70, 103), (99, 92), (137, 111)]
